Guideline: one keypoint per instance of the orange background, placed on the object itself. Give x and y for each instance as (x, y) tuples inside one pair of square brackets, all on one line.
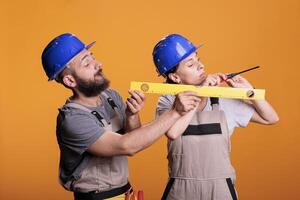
[(237, 34)]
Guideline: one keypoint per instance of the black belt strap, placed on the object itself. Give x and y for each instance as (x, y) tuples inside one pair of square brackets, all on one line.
[(168, 188), (121, 131), (102, 195), (231, 188), (203, 129)]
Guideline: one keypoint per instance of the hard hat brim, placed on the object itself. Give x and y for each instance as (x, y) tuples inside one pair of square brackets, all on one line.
[(90, 45), (199, 46)]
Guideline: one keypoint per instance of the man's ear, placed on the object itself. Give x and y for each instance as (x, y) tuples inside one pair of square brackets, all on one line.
[(174, 77), (69, 81)]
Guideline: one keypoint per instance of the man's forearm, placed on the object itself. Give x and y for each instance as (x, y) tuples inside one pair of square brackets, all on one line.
[(141, 138), (180, 125)]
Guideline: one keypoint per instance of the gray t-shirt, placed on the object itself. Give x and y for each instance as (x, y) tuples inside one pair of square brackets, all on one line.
[(78, 129), (237, 112)]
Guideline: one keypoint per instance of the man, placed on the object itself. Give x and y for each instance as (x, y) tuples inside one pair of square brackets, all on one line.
[(95, 130)]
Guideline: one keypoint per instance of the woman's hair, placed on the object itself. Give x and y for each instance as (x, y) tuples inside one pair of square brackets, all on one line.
[(166, 75)]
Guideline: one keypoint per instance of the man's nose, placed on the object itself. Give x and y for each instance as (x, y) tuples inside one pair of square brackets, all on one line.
[(98, 65)]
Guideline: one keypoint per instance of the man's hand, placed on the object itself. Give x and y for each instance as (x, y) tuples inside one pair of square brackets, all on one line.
[(238, 82), (185, 102), (135, 103)]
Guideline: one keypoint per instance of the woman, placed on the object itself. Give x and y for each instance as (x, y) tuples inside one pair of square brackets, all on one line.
[(199, 142)]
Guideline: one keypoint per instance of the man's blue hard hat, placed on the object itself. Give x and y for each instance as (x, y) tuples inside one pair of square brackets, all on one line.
[(59, 52), (170, 51)]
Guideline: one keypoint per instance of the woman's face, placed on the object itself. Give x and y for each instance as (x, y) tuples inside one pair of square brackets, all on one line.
[(190, 71)]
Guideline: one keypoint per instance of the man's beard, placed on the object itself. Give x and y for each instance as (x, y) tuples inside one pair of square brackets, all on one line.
[(91, 88)]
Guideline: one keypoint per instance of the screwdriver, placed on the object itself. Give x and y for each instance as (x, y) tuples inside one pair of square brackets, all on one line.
[(234, 74)]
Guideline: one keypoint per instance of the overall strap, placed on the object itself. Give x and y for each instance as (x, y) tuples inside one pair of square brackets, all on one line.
[(112, 104), (214, 102), (110, 100), (115, 108), (95, 113)]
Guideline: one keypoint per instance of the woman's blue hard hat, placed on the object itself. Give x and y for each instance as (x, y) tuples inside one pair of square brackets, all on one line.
[(170, 51)]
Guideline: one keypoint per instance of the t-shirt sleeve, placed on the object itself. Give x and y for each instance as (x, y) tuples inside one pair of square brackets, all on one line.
[(165, 103), (238, 112), (79, 131)]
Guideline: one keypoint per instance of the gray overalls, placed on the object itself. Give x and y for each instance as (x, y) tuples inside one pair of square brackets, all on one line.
[(102, 174), (199, 160)]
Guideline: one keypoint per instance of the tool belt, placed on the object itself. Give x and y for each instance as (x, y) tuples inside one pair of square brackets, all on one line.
[(95, 195)]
